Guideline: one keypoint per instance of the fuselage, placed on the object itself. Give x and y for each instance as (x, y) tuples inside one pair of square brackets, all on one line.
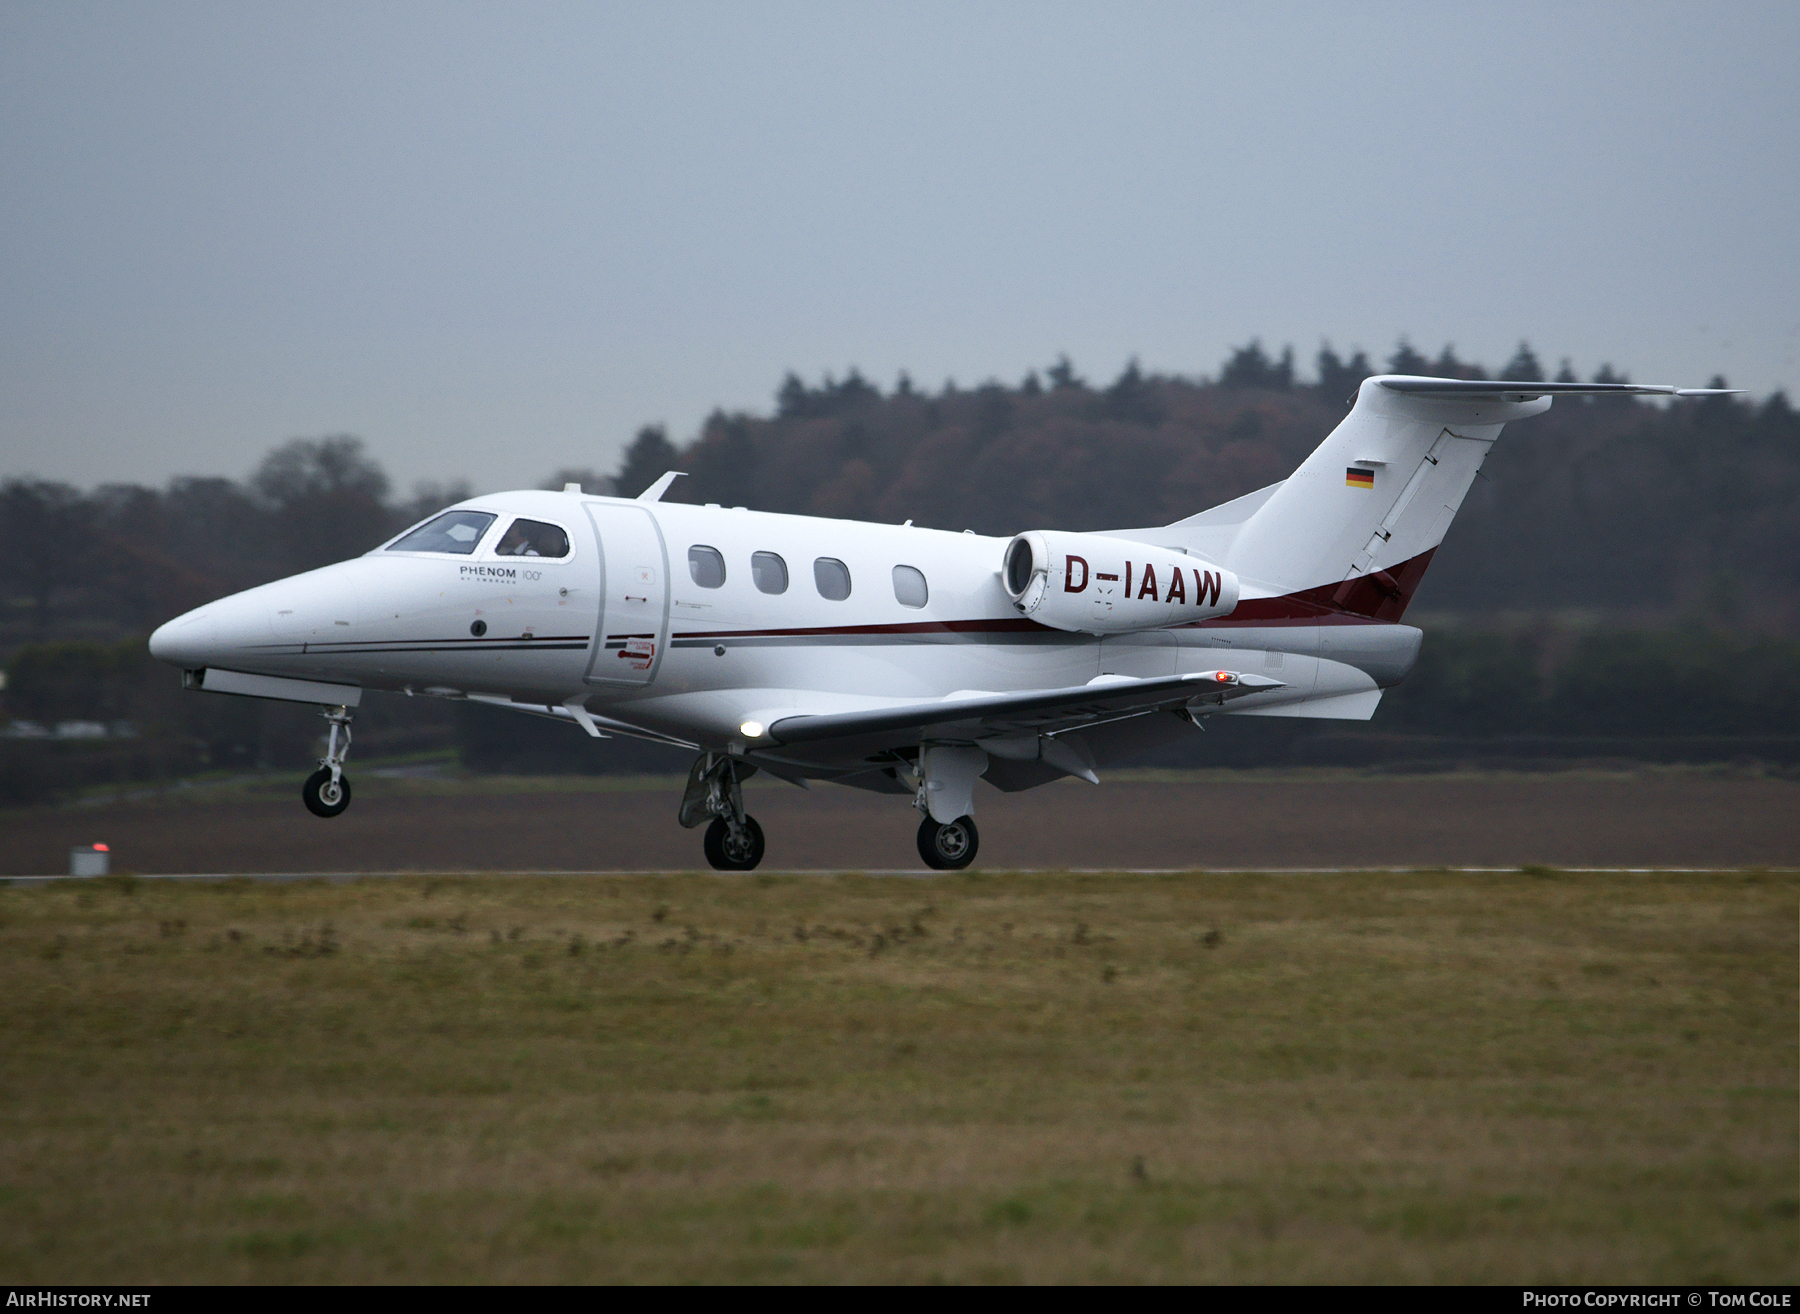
[(688, 620)]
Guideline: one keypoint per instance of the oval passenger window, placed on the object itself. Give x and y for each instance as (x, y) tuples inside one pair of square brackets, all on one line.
[(706, 566), (909, 586), (768, 572), (832, 578), (532, 538)]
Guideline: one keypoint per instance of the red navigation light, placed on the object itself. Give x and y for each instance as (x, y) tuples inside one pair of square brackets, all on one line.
[(1223, 677), (101, 848)]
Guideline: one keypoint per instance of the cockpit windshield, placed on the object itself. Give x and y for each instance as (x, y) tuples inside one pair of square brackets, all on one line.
[(532, 538), (454, 531)]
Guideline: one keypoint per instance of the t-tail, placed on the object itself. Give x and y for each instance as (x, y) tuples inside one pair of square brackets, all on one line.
[(1355, 527)]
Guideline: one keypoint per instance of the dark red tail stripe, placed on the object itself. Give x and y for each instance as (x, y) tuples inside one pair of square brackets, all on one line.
[(1368, 599)]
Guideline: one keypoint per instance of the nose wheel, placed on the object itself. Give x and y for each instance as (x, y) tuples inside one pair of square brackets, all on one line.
[(327, 790), (948, 847), (326, 797)]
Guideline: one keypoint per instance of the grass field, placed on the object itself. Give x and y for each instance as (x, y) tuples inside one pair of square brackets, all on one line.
[(1440, 1077)]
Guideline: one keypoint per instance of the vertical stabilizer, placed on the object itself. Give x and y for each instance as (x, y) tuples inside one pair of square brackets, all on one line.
[(1377, 495)]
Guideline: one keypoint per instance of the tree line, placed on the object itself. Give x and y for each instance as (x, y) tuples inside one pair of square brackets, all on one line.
[(1668, 525)]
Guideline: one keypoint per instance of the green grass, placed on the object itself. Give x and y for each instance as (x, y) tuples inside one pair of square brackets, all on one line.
[(1537, 1077)]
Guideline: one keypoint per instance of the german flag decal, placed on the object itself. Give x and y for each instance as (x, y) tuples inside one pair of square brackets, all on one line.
[(1354, 478)]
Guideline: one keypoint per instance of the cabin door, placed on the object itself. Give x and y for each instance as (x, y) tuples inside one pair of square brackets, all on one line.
[(634, 588)]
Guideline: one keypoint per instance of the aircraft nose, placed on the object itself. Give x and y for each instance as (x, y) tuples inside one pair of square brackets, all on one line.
[(189, 641)]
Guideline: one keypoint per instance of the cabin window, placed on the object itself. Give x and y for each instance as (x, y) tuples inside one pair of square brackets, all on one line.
[(706, 566), (455, 531), (532, 538), (832, 578), (768, 572), (909, 586)]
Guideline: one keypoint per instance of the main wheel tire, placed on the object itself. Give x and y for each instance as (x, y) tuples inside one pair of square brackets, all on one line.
[(728, 855), (324, 798), (948, 847)]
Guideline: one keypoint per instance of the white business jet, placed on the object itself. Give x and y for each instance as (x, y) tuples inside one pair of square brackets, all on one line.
[(885, 657)]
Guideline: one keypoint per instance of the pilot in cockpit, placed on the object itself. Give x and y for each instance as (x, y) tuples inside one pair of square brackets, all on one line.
[(517, 541)]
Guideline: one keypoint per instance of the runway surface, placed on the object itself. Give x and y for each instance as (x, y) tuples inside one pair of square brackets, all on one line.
[(1653, 819)]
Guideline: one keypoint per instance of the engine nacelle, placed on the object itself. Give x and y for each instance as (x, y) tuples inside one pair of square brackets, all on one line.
[(1092, 584)]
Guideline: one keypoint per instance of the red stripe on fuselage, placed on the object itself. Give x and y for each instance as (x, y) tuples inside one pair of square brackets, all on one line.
[(1365, 602)]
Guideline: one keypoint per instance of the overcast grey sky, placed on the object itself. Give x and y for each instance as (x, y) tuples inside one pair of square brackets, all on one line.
[(494, 239)]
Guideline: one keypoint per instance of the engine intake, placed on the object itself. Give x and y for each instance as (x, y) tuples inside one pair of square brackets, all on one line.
[(1093, 584)]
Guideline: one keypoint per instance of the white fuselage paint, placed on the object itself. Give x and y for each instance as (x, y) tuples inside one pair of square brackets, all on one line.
[(554, 629)]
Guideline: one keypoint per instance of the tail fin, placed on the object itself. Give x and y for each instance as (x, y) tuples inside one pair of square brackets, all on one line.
[(1356, 525), (1373, 500)]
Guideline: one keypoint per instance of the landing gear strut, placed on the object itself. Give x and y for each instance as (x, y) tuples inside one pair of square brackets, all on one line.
[(948, 847), (734, 842), (327, 790)]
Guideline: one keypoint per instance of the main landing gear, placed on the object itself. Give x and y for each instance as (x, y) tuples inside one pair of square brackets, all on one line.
[(944, 780), (327, 790), (734, 842), (948, 847)]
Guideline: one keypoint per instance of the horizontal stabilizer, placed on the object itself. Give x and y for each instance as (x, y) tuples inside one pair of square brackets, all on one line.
[(1513, 390)]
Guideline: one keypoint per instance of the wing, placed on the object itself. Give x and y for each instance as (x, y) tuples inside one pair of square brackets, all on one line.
[(984, 716)]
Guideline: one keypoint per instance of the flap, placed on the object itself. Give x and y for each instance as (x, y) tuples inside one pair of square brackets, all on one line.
[(1038, 710)]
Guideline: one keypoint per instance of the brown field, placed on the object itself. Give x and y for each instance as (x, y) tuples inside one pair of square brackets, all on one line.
[(1644, 818), (1390, 1077)]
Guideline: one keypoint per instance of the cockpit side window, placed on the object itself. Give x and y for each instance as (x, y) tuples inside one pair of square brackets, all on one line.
[(455, 531), (532, 538)]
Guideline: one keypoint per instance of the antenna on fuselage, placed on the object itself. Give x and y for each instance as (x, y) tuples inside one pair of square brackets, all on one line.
[(656, 490)]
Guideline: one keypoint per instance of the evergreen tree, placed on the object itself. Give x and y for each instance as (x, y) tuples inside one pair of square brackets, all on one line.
[(1062, 375), (650, 456), (1250, 367), (1523, 367), (1130, 398), (792, 398), (1339, 380), (1407, 361)]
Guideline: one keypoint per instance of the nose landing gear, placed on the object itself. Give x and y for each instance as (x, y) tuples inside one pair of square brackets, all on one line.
[(327, 790)]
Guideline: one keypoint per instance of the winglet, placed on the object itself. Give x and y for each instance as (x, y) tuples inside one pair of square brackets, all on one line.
[(656, 490)]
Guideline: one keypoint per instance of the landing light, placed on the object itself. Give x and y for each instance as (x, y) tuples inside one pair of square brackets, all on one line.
[(751, 729)]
